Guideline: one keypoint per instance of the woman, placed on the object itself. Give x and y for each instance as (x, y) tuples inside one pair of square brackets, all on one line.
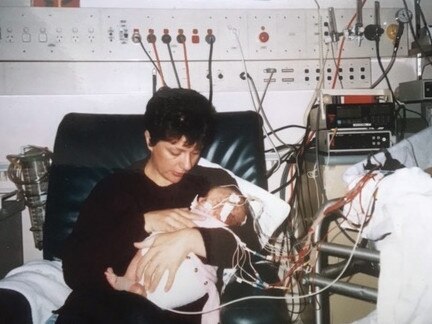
[(152, 196), (222, 206)]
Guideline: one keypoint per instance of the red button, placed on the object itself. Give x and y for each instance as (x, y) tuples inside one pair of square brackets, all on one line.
[(195, 39), (263, 37)]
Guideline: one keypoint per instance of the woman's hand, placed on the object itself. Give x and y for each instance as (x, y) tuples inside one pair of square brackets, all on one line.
[(169, 220), (165, 253)]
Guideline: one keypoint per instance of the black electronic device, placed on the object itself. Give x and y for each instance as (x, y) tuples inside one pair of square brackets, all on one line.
[(379, 116), (354, 142)]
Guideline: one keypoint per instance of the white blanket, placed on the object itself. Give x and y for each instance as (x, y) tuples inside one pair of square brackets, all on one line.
[(403, 210), (41, 282)]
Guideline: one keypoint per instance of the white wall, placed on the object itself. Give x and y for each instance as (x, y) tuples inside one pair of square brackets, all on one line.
[(34, 96)]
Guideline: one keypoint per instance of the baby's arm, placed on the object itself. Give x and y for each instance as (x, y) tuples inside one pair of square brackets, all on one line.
[(127, 282)]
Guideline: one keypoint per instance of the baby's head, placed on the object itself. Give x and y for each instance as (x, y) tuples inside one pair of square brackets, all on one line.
[(226, 203)]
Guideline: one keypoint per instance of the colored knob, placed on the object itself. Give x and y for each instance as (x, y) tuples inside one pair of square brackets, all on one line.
[(264, 37)]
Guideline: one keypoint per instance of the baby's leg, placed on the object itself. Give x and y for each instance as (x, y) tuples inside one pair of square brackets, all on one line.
[(129, 281), (118, 282)]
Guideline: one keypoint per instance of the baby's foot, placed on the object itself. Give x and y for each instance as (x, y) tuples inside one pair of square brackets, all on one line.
[(122, 283), (112, 278), (118, 282)]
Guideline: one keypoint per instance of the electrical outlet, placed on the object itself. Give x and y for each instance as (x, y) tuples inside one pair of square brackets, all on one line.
[(75, 35), (9, 35), (59, 35)]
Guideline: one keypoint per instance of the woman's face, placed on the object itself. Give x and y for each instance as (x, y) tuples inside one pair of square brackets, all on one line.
[(169, 161)]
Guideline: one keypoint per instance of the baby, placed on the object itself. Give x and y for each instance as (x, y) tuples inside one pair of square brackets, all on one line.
[(222, 206)]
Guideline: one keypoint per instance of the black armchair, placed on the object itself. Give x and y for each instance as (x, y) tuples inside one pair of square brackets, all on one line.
[(90, 146)]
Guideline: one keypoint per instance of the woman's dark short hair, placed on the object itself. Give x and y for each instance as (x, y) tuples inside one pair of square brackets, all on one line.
[(173, 113)]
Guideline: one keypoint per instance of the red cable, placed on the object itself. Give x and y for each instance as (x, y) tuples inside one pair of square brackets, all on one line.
[(159, 64)]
